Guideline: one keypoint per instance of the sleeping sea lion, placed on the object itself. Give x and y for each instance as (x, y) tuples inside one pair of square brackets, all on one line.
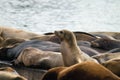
[(8, 32), (9, 76), (8, 73), (101, 58), (11, 42), (106, 44), (13, 52), (33, 57), (113, 65)]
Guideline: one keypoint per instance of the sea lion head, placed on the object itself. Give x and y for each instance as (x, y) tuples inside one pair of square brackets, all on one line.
[(65, 35), (106, 44)]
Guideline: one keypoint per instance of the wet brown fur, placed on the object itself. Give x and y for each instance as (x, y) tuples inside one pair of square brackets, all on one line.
[(81, 71)]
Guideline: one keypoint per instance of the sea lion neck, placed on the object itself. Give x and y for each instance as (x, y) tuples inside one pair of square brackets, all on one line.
[(71, 54)]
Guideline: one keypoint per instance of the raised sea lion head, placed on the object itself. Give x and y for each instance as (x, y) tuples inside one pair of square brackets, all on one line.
[(65, 35)]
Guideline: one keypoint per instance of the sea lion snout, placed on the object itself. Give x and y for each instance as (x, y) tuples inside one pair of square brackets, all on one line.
[(59, 34)]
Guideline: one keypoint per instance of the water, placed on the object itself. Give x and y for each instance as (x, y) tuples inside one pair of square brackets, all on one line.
[(42, 16)]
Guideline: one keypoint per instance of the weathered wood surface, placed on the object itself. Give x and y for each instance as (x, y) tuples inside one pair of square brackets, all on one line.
[(29, 73)]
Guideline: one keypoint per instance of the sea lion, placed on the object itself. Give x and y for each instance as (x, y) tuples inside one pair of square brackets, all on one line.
[(10, 53), (101, 58), (33, 57), (9, 76), (8, 32), (114, 50), (84, 36), (115, 35), (106, 44), (52, 73), (71, 53), (113, 65), (13, 33), (80, 36), (82, 71), (103, 36), (11, 42), (8, 69), (89, 51), (8, 73), (51, 38)]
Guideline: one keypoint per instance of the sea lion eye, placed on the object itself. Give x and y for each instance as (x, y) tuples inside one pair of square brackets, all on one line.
[(61, 32)]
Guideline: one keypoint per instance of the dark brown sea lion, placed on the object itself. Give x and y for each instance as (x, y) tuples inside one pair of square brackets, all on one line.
[(113, 65), (53, 73), (33, 57), (106, 44), (81, 71), (71, 53), (89, 51)]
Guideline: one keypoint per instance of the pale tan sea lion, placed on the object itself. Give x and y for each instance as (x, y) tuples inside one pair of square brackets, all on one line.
[(9, 76), (113, 65), (8, 69), (13, 33), (40, 59), (51, 38), (101, 58), (7, 32), (81, 71), (8, 73), (71, 53)]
